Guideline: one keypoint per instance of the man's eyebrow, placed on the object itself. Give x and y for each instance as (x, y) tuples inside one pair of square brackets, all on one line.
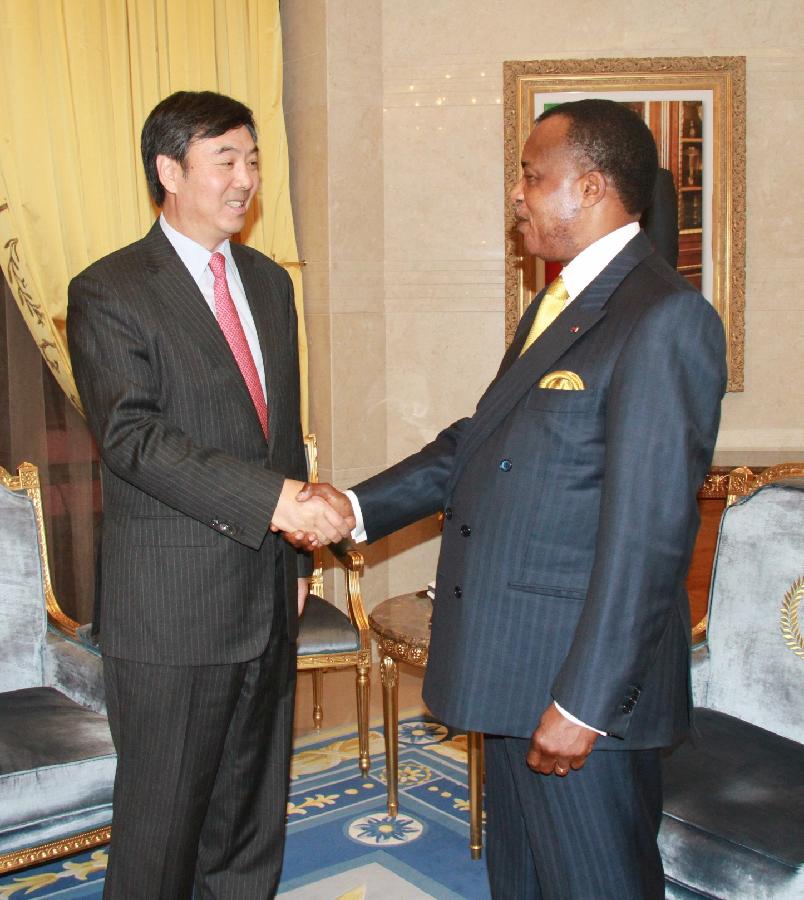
[(227, 148)]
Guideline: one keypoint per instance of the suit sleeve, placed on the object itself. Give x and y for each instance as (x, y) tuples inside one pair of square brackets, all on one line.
[(119, 385), (411, 489), (662, 416)]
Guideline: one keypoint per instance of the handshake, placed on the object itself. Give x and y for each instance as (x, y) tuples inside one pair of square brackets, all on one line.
[(312, 515)]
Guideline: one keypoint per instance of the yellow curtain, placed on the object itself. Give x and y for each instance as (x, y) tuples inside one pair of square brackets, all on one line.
[(77, 80)]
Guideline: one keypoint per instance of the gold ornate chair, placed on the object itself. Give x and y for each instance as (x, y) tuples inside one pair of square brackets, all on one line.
[(331, 639), (57, 760)]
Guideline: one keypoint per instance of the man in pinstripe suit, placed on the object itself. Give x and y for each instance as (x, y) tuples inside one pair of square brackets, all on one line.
[(561, 624), (197, 422)]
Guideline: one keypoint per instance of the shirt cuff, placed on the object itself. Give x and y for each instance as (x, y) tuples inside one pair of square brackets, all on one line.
[(359, 531), (573, 719)]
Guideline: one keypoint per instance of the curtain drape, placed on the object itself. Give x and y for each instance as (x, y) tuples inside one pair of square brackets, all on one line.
[(77, 80)]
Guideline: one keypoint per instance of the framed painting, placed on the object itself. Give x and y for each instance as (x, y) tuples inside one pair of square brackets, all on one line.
[(695, 107)]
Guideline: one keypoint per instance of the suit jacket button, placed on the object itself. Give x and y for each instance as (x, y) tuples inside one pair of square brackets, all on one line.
[(458, 592), (448, 513), (466, 530), (506, 465)]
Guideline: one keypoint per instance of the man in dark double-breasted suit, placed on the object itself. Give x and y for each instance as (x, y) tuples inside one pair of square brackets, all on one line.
[(184, 347), (560, 625)]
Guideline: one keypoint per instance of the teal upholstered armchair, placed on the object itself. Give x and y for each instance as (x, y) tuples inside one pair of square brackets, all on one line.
[(332, 639), (57, 760), (733, 824)]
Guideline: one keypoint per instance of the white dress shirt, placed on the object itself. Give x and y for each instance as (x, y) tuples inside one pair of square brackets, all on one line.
[(577, 275), (196, 259)]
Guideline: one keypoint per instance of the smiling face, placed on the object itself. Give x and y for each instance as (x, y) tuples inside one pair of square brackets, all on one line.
[(208, 197), (549, 197)]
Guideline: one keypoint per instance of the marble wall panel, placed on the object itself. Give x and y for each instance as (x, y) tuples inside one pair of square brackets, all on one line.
[(319, 355), (359, 390), (442, 187), (439, 364)]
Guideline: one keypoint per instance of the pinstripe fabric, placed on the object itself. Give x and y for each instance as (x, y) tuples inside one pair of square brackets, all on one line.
[(189, 482), (198, 607), (570, 518), (579, 508), (204, 775), (589, 835)]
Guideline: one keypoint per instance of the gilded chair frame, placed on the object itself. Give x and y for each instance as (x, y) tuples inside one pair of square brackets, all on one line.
[(27, 480), (353, 564)]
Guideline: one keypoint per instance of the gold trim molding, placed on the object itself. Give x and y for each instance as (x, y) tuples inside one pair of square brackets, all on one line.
[(724, 76), (791, 632), (401, 651), (19, 859), (27, 480)]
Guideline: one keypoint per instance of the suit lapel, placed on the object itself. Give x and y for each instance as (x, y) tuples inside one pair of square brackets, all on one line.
[(518, 374), (173, 282)]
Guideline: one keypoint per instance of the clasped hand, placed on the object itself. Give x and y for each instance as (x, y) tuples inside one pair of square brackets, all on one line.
[(312, 515)]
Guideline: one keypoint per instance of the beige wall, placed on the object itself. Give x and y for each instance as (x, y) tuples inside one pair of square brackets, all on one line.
[(395, 132)]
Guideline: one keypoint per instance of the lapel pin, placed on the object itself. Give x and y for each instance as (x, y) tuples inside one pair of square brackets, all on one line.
[(575, 329)]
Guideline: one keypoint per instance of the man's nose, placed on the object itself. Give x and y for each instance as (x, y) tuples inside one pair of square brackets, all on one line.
[(516, 195), (245, 176)]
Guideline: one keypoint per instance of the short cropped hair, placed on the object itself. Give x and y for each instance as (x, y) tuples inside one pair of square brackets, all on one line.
[(617, 142), (182, 118)]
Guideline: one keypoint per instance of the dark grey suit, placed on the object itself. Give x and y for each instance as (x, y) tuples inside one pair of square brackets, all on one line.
[(570, 517), (191, 575)]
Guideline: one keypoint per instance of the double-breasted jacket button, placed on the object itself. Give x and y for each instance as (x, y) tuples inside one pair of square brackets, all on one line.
[(466, 530), (448, 513), (506, 465), (629, 705), (458, 592)]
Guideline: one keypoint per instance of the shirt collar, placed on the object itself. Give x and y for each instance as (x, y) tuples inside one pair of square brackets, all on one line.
[(591, 261), (195, 257)]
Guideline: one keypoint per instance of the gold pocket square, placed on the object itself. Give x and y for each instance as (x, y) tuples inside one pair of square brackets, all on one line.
[(562, 380)]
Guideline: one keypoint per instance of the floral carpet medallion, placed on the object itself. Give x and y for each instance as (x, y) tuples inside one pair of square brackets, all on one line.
[(341, 843)]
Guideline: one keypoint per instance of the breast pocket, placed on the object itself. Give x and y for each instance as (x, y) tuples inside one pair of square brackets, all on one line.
[(552, 400)]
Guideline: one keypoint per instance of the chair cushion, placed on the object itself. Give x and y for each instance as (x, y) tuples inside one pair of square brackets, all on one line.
[(734, 811), (57, 765), (22, 606), (325, 629)]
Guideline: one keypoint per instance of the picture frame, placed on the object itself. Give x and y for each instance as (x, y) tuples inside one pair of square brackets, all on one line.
[(695, 107)]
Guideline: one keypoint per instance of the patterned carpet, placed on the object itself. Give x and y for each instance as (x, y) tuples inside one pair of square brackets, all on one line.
[(341, 844)]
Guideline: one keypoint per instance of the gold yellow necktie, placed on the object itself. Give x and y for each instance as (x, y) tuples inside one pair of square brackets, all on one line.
[(554, 300)]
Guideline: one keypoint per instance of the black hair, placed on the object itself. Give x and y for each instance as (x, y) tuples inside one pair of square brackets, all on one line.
[(617, 142), (182, 118)]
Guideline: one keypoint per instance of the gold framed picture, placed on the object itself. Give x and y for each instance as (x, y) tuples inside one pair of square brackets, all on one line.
[(695, 107)]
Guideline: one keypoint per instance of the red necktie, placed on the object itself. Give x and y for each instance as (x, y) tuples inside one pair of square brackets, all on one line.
[(232, 329)]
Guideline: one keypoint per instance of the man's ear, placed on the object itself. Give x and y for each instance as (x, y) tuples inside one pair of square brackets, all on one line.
[(169, 171), (593, 187)]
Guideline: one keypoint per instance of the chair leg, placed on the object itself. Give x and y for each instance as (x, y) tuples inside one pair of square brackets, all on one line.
[(390, 686), (318, 698), (362, 688), (475, 761)]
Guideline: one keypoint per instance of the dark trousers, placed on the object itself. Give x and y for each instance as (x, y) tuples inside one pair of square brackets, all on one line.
[(588, 836), (200, 794)]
